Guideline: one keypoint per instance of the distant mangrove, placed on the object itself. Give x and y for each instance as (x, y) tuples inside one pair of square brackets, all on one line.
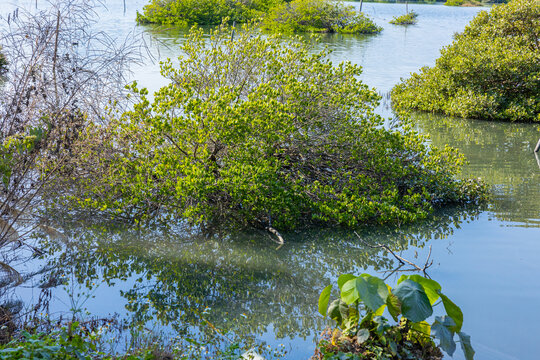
[(277, 15), (491, 71)]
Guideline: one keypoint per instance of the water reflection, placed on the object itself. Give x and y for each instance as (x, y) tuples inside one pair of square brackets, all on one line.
[(173, 278), (500, 153)]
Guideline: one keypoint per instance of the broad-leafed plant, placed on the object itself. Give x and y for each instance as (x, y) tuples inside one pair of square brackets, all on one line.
[(362, 301)]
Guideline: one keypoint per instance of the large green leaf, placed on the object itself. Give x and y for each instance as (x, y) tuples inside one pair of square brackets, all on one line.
[(415, 304), (441, 330), (342, 279), (335, 311), (324, 298), (465, 341), (431, 287), (373, 292), (349, 291), (394, 305), (453, 311), (422, 328)]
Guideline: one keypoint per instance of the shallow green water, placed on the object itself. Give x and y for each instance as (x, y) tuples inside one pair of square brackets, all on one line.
[(485, 259)]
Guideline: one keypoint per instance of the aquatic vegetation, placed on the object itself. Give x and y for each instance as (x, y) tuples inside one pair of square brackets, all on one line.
[(279, 15), (406, 19), (463, 3), (490, 71), (318, 16), (205, 12), (362, 329), (261, 132)]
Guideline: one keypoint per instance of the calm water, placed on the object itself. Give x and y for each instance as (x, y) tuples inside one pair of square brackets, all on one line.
[(486, 260)]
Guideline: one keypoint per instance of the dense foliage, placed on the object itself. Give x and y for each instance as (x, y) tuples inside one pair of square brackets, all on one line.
[(464, 3), (279, 15), (363, 330), (490, 71), (261, 132), (204, 12), (406, 19), (318, 16)]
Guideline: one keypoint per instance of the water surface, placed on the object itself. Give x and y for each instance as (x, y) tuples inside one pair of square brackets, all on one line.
[(486, 260)]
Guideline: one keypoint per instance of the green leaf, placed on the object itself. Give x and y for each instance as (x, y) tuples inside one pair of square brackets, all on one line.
[(465, 341), (371, 290), (349, 291), (421, 327), (362, 336), (380, 310), (453, 311), (415, 304), (351, 320), (394, 305), (431, 287), (333, 311), (441, 330), (338, 311), (342, 279), (324, 298)]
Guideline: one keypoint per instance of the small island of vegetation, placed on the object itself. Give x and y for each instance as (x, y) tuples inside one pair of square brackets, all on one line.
[(318, 16), (277, 15), (490, 71), (406, 19)]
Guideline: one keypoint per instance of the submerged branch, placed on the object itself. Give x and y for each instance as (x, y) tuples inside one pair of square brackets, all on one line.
[(401, 260), (277, 234)]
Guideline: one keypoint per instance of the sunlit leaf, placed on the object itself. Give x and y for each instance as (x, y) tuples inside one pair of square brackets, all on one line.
[(324, 298)]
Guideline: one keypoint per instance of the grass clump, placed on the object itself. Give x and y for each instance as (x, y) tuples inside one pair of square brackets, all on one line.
[(490, 71), (318, 16), (406, 19), (263, 132)]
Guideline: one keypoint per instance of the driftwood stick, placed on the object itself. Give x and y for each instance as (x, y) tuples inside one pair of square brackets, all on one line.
[(399, 258), (427, 260), (277, 234)]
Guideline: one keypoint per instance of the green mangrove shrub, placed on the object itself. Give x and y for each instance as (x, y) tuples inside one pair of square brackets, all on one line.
[(490, 71), (203, 12), (260, 131), (406, 19), (361, 328), (318, 16), (468, 2), (454, 2)]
